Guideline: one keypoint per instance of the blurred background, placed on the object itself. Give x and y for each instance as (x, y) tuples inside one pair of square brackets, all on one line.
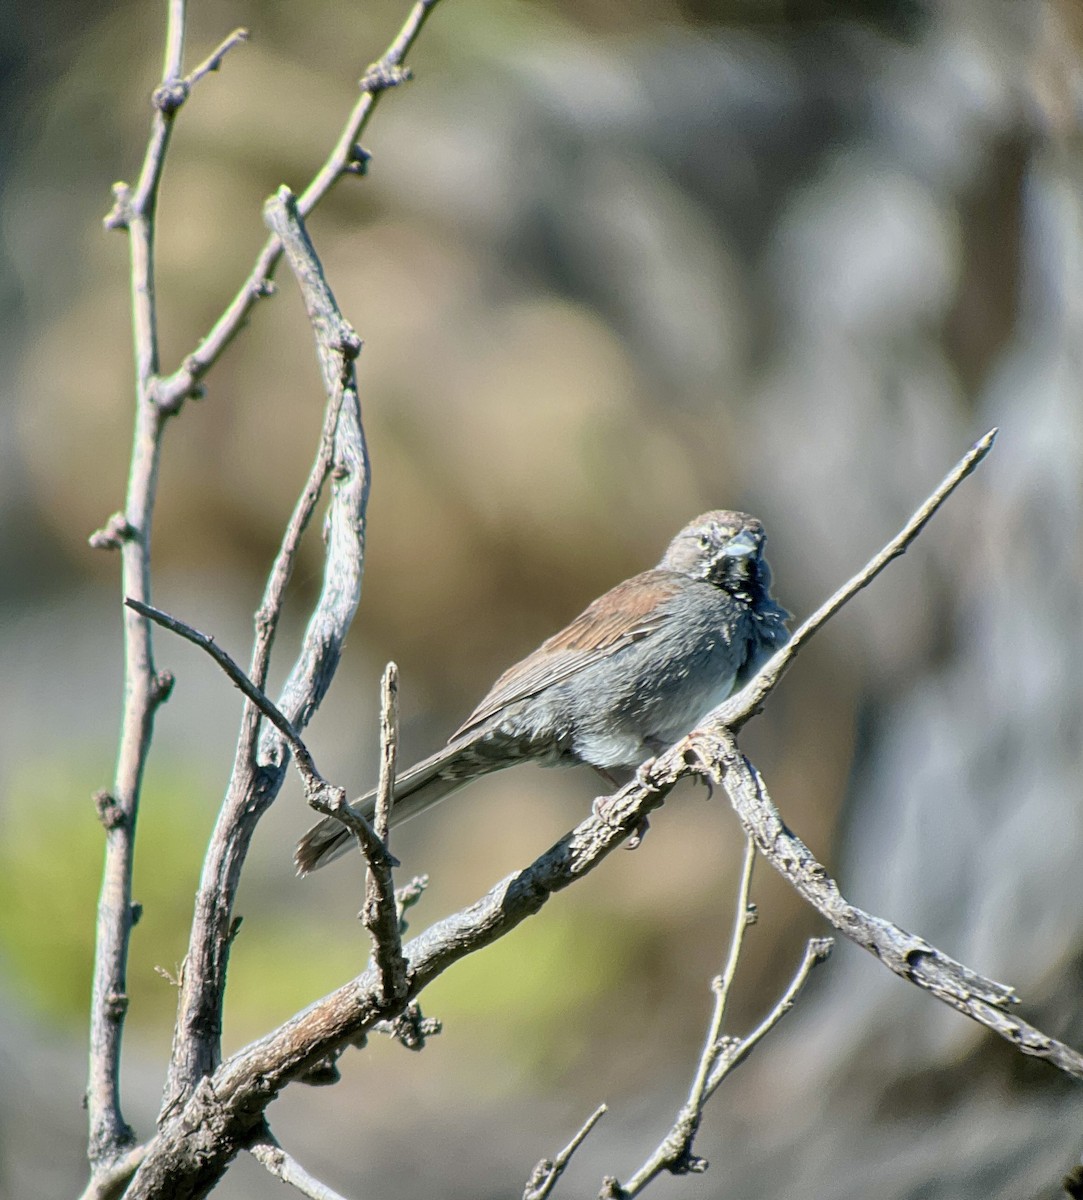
[(614, 264)]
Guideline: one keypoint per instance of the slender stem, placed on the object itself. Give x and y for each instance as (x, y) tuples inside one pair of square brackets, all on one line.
[(674, 1152), (742, 919), (266, 706), (380, 913), (213, 61), (738, 709), (143, 690), (546, 1175), (817, 951), (285, 1167)]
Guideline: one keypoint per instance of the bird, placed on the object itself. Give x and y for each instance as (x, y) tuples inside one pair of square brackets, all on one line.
[(633, 673)]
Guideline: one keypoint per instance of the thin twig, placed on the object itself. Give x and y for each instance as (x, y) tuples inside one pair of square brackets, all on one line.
[(720, 1057), (213, 61), (674, 1152), (547, 1173), (144, 690), (909, 956), (285, 1167), (817, 951), (743, 917), (346, 158), (389, 745), (407, 896), (323, 796), (269, 612), (738, 709), (264, 703), (380, 913), (258, 774)]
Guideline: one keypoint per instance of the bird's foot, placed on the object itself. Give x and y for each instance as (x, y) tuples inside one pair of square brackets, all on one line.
[(638, 834), (643, 775), (602, 809)]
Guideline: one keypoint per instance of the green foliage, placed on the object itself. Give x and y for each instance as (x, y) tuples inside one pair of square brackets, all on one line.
[(51, 858), (523, 988), (51, 854)]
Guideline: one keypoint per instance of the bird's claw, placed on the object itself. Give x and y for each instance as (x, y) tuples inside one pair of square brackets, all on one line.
[(638, 834)]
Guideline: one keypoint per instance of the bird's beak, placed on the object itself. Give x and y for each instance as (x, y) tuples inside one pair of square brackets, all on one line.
[(744, 545)]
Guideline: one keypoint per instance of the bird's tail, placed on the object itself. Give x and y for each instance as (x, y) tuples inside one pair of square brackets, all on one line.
[(416, 790)]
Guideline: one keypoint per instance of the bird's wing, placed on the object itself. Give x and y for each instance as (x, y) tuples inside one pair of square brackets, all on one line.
[(624, 615)]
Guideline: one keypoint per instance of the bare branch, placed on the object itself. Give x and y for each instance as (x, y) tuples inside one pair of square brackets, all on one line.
[(323, 797), (909, 956), (721, 1055), (195, 1144), (389, 745), (259, 770), (817, 951), (380, 913), (204, 641), (110, 1182), (738, 709), (270, 610), (213, 61), (547, 1173), (285, 1167), (346, 158), (337, 346), (743, 916), (144, 690), (407, 896)]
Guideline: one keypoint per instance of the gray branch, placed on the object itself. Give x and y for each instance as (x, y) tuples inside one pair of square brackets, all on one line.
[(721, 1056), (259, 769), (144, 689), (547, 1173), (380, 912), (267, 1151)]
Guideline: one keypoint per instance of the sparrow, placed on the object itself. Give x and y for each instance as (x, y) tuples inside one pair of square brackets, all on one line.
[(632, 674)]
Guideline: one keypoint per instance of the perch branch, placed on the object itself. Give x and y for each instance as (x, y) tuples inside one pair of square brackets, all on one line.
[(910, 957), (195, 1145)]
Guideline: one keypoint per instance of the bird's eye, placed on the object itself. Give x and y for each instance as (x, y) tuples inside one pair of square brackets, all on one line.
[(705, 540)]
